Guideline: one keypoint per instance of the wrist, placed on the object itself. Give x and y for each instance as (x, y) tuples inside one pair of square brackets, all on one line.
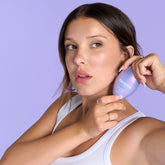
[(162, 85), (82, 132)]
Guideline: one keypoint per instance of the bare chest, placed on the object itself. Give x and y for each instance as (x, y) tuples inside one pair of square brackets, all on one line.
[(123, 150), (71, 118)]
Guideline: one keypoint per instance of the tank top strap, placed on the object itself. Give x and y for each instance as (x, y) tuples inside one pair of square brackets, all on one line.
[(114, 132), (68, 107)]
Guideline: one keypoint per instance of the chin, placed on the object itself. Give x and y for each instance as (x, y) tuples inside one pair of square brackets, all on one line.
[(93, 90), (88, 93), (85, 93)]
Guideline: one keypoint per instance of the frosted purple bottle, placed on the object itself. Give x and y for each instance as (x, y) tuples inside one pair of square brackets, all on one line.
[(125, 83)]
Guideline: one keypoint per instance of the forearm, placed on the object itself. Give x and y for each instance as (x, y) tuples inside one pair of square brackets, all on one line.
[(154, 146), (162, 85), (46, 150), (162, 88)]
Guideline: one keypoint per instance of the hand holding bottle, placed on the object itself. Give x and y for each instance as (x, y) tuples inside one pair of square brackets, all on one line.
[(148, 70)]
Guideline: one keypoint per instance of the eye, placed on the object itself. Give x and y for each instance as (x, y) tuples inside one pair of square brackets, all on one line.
[(97, 44), (70, 47)]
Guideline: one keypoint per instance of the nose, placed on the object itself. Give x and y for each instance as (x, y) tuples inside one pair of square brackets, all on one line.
[(80, 58)]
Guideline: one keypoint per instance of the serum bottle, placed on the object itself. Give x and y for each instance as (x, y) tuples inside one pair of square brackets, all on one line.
[(125, 83)]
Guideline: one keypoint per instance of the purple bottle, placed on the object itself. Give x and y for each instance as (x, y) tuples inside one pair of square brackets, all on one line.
[(125, 83)]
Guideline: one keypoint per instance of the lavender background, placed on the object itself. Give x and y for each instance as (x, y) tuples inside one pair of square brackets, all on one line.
[(30, 71)]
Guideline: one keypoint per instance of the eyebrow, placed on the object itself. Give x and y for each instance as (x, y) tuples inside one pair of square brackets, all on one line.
[(94, 36), (67, 39)]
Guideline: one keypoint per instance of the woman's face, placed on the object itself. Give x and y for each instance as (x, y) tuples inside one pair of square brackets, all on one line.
[(92, 57)]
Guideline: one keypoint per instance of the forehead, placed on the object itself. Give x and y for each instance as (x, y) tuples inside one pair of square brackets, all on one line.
[(88, 26)]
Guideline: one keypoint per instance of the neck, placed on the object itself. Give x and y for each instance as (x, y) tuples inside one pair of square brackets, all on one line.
[(89, 101)]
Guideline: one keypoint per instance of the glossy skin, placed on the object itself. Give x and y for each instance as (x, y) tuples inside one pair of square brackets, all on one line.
[(91, 48), (88, 122)]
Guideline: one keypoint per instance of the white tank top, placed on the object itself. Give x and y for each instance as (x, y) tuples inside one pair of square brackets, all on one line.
[(98, 153)]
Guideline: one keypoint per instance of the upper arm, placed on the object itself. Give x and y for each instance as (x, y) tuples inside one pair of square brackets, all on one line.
[(136, 135), (153, 144)]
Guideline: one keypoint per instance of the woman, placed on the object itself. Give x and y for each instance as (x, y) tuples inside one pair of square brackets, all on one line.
[(94, 126)]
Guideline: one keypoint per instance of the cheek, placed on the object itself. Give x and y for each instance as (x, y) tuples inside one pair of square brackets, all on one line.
[(109, 60), (68, 63), (106, 66)]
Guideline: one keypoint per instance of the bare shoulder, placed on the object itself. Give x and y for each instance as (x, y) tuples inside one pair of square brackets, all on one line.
[(144, 125), (44, 126), (143, 131), (130, 139), (136, 131)]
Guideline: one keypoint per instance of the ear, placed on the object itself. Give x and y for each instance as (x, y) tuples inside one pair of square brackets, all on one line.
[(127, 53), (130, 49)]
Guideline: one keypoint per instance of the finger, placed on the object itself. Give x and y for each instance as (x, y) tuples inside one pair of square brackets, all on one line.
[(129, 62), (113, 107), (138, 69), (110, 116), (138, 73), (110, 124), (149, 62), (143, 69), (148, 72), (107, 99)]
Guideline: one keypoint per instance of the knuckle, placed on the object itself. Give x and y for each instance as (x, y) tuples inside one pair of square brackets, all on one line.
[(122, 106), (135, 59), (106, 99), (113, 123), (154, 54), (97, 120), (115, 105), (116, 115), (140, 65), (95, 111), (99, 127), (118, 105), (133, 65), (102, 100)]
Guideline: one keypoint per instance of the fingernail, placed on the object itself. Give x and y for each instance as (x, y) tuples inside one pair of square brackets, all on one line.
[(149, 74), (120, 70), (97, 102), (119, 97), (143, 83)]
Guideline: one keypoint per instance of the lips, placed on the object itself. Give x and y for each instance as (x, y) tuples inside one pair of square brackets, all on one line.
[(82, 77)]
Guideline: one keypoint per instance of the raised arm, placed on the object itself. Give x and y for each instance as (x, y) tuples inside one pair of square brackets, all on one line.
[(153, 145), (149, 70)]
